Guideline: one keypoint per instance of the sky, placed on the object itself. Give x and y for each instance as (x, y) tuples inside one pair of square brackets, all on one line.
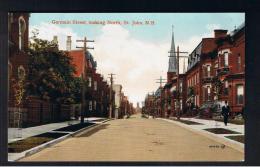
[(136, 53)]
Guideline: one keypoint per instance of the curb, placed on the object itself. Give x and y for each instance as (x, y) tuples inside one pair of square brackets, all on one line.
[(55, 141), (233, 144)]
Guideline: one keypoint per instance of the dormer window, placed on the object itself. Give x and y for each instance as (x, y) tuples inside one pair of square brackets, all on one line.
[(22, 28)]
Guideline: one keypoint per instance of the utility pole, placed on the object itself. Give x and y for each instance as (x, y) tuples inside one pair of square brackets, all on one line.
[(110, 95), (83, 76), (177, 87), (161, 81)]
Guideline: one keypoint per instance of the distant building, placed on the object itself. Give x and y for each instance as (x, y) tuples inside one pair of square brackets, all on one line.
[(118, 90)]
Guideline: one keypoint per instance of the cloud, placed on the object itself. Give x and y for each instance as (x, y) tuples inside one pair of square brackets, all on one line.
[(136, 63), (47, 31)]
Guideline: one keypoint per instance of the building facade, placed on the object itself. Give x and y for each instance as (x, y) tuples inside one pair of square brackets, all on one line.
[(215, 74)]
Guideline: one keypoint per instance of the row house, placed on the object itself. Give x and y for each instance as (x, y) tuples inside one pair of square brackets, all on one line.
[(158, 103), (149, 105), (229, 69), (216, 70), (215, 73), (199, 76), (182, 96), (97, 90), (131, 109), (126, 108)]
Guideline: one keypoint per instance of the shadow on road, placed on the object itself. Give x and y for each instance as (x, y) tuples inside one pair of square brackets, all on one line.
[(89, 133)]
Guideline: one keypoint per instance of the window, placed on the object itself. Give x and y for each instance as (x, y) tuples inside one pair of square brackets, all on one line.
[(226, 59), (22, 27), (89, 81), (95, 85), (90, 106), (240, 94), (181, 87), (197, 77), (208, 71), (238, 62), (208, 91), (181, 104), (226, 88), (21, 72)]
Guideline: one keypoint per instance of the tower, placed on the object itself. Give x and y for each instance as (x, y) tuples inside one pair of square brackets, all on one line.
[(172, 67)]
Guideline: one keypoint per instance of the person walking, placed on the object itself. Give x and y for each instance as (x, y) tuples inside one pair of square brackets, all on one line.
[(225, 112)]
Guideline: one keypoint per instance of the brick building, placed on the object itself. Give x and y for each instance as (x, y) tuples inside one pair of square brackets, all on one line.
[(215, 73), (199, 72), (97, 90), (25, 110), (230, 68), (18, 27)]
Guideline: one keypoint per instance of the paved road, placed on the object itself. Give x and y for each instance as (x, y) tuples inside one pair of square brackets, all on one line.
[(138, 139)]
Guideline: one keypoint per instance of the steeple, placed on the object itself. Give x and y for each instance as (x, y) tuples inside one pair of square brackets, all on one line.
[(172, 58)]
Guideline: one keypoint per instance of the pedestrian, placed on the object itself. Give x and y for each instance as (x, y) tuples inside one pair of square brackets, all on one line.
[(225, 112)]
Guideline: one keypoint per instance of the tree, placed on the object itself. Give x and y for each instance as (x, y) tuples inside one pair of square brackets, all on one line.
[(51, 73)]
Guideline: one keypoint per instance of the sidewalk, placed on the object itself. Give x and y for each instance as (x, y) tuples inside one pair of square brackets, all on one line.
[(212, 124), (216, 124), (48, 128), (15, 134)]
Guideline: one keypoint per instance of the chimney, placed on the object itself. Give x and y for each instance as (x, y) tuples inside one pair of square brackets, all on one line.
[(220, 33), (68, 43), (55, 39)]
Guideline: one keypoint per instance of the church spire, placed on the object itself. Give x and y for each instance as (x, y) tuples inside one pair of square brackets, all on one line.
[(172, 59)]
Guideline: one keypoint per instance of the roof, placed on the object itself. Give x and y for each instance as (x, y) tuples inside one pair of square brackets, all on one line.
[(172, 67), (158, 92), (206, 46), (237, 30), (78, 58)]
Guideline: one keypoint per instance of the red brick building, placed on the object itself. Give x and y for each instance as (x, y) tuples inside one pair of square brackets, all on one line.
[(230, 68), (215, 73), (18, 27), (199, 72), (26, 110), (97, 90)]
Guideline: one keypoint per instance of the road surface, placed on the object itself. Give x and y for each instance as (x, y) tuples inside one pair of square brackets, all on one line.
[(138, 139)]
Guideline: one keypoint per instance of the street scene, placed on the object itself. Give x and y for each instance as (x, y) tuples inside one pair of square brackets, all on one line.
[(129, 87)]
